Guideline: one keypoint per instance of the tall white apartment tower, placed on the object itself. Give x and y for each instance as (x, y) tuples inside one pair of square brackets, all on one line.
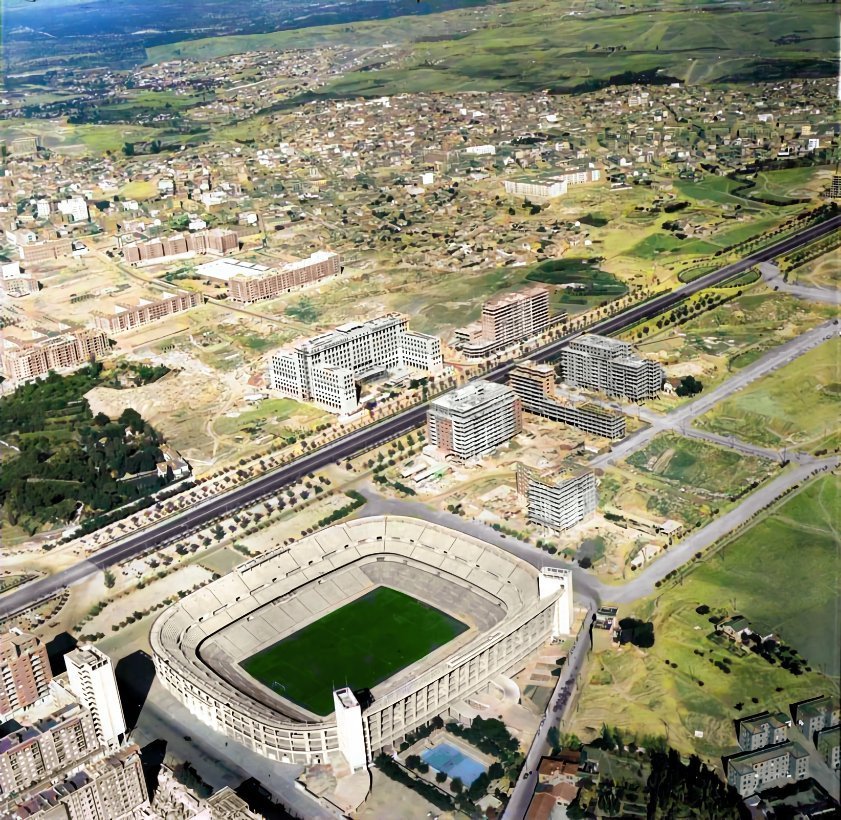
[(91, 678)]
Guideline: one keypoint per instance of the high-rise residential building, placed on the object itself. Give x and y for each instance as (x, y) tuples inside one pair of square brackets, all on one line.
[(473, 420), (507, 318), (112, 788), (534, 383), (90, 675), (28, 354), (610, 366), (141, 312), (25, 673), (557, 502), (325, 369)]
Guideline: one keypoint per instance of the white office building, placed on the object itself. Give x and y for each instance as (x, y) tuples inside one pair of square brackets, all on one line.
[(325, 369), (90, 675), (610, 366)]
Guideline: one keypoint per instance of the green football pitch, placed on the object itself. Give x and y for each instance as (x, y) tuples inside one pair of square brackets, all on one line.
[(359, 645)]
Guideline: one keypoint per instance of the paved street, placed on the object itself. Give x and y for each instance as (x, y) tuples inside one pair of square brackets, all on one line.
[(219, 760), (772, 275), (559, 702)]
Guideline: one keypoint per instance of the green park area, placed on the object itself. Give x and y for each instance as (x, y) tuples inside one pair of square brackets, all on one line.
[(796, 406), (69, 463), (358, 645), (692, 684), (277, 417)]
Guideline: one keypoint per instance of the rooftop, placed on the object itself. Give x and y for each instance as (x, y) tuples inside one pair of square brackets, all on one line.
[(471, 396)]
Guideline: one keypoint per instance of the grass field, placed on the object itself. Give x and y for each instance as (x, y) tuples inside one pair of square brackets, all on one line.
[(823, 272), (782, 575), (796, 406), (359, 645), (728, 338), (531, 45), (693, 463)]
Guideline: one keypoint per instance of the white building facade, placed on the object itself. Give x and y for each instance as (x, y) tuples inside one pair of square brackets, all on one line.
[(90, 675), (325, 369), (473, 420), (610, 366)]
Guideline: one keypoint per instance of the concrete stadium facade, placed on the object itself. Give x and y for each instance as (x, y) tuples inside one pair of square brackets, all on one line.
[(510, 607)]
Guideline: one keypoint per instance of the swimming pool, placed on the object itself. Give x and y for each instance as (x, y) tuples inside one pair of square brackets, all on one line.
[(453, 762)]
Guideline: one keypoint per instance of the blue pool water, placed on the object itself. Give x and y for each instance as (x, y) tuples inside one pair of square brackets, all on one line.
[(454, 763)]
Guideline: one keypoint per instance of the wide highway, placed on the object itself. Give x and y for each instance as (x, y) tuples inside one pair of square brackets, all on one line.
[(352, 443)]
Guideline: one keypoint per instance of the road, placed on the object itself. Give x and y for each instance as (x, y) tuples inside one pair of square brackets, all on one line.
[(518, 802), (682, 417), (774, 277), (180, 525)]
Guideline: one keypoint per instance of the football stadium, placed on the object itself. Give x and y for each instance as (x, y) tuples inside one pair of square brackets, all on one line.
[(333, 648)]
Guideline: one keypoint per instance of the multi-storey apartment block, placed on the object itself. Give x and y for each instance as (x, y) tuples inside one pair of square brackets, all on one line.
[(252, 286), (558, 502), (816, 713), (45, 250), (132, 315), (216, 241), (75, 209), (473, 420), (535, 385), (750, 772), (610, 366), (828, 743), (325, 369), (533, 188), (53, 737), (761, 730), (110, 788), (28, 354), (508, 318), (25, 673)]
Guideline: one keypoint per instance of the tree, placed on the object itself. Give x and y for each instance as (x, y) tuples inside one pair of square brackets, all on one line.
[(440, 777), (110, 580), (413, 761), (456, 785)]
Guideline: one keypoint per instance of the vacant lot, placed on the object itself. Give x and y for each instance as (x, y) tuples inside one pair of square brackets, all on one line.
[(797, 406), (692, 463), (359, 645), (730, 337), (779, 575)]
